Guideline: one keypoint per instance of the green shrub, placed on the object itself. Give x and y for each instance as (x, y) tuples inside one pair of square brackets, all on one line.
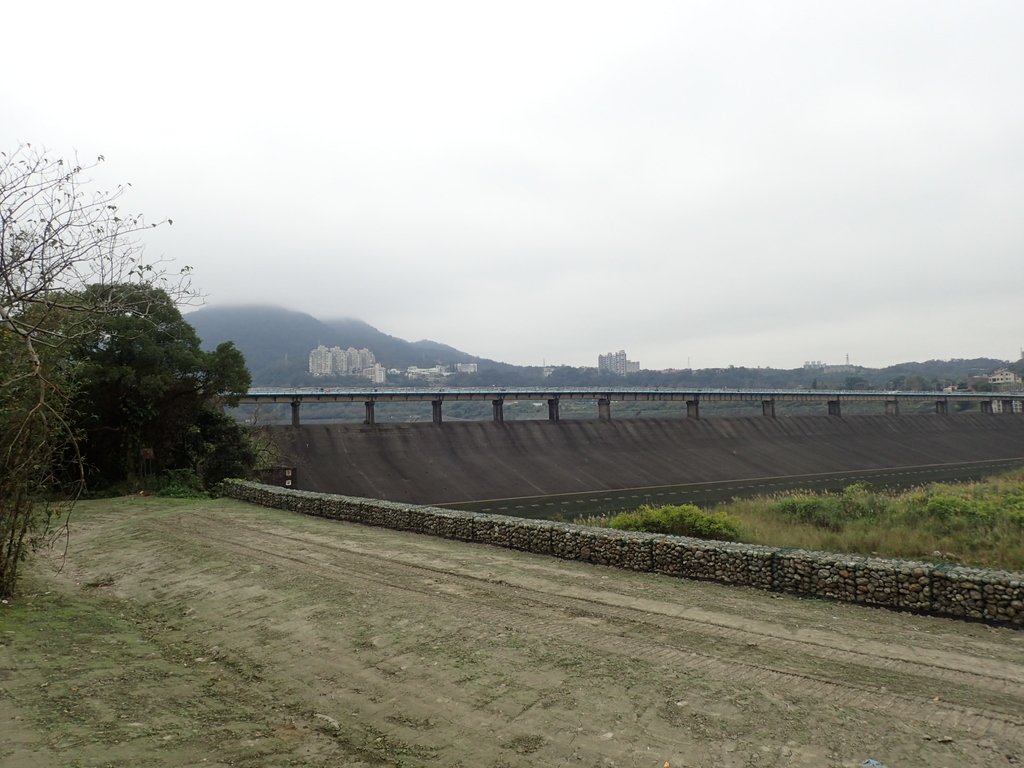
[(682, 520), (831, 512), (858, 501), (959, 512), (181, 484), (820, 511), (943, 508)]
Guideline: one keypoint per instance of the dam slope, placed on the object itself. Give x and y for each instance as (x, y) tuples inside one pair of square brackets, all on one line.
[(427, 463)]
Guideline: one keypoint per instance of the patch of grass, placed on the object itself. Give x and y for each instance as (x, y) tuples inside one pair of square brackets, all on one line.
[(96, 685), (525, 745), (980, 524)]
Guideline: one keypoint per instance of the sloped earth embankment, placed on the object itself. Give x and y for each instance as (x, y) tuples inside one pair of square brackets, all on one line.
[(469, 461), (216, 633)]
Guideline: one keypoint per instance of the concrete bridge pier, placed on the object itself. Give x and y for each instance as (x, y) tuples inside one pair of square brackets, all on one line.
[(892, 407), (986, 406), (693, 409), (604, 409), (768, 408), (498, 410), (436, 409), (835, 408), (942, 407), (296, 404), (1008, 406), (553, 409), (369, 418)]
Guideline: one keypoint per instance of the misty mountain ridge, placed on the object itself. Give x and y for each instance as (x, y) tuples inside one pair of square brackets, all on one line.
[(276, 343)]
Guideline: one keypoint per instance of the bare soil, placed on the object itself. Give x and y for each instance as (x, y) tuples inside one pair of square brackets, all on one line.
[(215, 633)]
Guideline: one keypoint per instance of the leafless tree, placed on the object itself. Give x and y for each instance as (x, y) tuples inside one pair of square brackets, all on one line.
[(57, 236)]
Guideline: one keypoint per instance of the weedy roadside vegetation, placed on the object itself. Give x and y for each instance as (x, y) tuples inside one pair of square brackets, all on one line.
[(979, 524), (679, 520)]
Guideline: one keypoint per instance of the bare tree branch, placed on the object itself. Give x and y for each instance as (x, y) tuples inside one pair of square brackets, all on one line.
[(58, 237)]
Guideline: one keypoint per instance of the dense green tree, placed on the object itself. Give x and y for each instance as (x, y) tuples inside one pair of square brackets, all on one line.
[(148, 397)]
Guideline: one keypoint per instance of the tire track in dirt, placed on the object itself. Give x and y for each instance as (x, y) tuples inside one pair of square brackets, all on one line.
[(1000, 682), (490, 606)]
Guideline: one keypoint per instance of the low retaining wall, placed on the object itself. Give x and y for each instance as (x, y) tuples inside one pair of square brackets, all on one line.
[(992, 596)]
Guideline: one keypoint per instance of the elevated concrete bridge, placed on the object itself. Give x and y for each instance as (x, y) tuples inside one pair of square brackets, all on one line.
[(989, 402)]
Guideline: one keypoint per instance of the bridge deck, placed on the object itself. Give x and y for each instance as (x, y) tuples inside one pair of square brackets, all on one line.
[(442, 394)]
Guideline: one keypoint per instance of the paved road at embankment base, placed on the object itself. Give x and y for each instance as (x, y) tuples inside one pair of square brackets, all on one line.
[(216, 633)]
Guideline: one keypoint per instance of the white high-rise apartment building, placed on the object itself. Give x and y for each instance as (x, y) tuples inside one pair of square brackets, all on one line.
[(363, 359), (321, 362), (340, 362), (617, 363)]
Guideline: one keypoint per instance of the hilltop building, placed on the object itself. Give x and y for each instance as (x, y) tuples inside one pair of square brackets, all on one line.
[(438, 372), (435, 372), (1005, 379), (335, 361), (617, 363), (818, 365)]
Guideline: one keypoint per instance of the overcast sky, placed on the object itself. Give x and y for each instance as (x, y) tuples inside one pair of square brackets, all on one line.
[(746, 183)]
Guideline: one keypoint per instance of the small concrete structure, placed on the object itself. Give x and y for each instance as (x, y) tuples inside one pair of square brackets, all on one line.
[(553, 409)]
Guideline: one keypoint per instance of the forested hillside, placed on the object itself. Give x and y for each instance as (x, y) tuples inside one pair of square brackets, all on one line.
[(276, 342)]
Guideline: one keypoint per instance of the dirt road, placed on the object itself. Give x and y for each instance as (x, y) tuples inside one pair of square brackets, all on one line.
[(214, 633)]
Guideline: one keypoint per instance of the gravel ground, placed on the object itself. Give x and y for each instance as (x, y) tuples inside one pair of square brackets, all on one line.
[(216, 633)]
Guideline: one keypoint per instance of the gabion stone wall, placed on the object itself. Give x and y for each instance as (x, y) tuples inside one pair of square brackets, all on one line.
[(992, 596)]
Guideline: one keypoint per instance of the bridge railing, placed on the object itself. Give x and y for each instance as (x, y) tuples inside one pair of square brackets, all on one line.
[(988, 402)]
